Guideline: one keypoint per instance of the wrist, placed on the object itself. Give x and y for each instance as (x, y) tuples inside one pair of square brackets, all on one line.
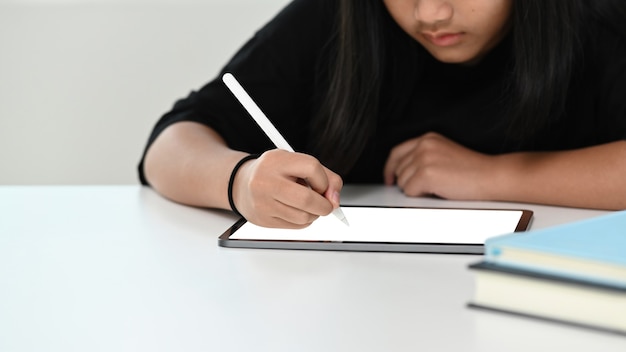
[(507, 175), (231, 181)]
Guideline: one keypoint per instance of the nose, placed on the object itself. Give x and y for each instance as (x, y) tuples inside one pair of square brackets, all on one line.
[(432, 13)]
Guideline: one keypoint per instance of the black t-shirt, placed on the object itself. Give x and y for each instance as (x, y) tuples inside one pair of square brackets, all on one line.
[(279, 67)]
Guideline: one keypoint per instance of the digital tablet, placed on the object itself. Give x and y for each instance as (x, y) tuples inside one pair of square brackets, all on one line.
[(387, 229)]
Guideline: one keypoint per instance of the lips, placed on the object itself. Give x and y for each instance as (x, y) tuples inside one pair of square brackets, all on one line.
[(443, 39)]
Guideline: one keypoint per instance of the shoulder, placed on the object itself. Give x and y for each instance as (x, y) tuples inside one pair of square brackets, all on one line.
[(604, 60), (309, 18), (604, 39), (606, 16), (296, 36), (289, 46)]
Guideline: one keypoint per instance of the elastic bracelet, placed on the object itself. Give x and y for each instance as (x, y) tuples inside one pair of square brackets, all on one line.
[(232, 180)]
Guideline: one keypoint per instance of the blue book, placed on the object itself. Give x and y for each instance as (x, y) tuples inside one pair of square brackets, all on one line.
[(593, 250)]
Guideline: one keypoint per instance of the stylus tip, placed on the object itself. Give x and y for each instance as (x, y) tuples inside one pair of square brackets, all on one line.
[(339, 214)]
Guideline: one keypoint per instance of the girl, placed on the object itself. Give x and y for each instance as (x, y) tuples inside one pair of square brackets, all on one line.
[(507, 100)]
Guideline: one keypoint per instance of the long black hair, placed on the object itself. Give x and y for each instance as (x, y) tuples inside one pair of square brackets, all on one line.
[(350, 107), (547, 37)]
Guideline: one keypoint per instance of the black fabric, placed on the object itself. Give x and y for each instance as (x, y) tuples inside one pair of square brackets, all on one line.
[(280, 68)]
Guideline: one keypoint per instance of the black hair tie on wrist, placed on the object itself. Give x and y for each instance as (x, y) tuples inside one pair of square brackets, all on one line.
[(231, 181)]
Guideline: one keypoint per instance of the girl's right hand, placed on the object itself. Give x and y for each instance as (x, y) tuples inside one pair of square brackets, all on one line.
[(270, 191)]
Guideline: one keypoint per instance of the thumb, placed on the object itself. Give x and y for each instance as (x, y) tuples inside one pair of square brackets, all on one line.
[(333, 196)]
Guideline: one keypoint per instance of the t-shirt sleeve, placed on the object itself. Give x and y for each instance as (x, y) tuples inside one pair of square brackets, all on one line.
[(608, 62), (279, 67), (615, 102)]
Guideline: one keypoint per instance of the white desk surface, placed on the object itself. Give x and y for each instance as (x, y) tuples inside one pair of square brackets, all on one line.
[(119, 268)]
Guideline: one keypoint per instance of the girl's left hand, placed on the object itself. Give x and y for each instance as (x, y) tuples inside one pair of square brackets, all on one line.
[(435, 165)]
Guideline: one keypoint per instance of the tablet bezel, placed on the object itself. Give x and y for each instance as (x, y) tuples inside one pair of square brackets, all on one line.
[(224, 239)]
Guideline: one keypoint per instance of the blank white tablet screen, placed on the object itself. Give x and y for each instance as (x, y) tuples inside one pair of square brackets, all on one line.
[(406, 225)]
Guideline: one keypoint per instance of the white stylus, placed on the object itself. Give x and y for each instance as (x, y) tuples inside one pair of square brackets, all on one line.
[(265, 124)]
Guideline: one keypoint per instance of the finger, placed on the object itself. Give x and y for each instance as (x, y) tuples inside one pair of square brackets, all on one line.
[(278, 222), (293, 217), (398, 153), (321, 180), (408, 167), (274, 212), (405, 174), (335, 184), (311, 170), (302, 198), (389, 172)]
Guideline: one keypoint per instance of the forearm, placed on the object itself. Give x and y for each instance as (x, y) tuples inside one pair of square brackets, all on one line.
[(593, 177), (190, 163)]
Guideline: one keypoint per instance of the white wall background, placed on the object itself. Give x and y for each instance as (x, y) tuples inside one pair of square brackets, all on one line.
[(83, 81)]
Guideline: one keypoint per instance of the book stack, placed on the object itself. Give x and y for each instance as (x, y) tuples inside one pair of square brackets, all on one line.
[(573, 273)]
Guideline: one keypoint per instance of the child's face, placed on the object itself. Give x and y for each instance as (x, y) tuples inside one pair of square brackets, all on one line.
[(454, 31)]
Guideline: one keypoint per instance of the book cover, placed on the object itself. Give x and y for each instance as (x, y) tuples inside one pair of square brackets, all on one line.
[(548, 297), (592, 249)]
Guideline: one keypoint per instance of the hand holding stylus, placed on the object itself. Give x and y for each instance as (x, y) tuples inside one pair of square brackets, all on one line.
[(301, 167)]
